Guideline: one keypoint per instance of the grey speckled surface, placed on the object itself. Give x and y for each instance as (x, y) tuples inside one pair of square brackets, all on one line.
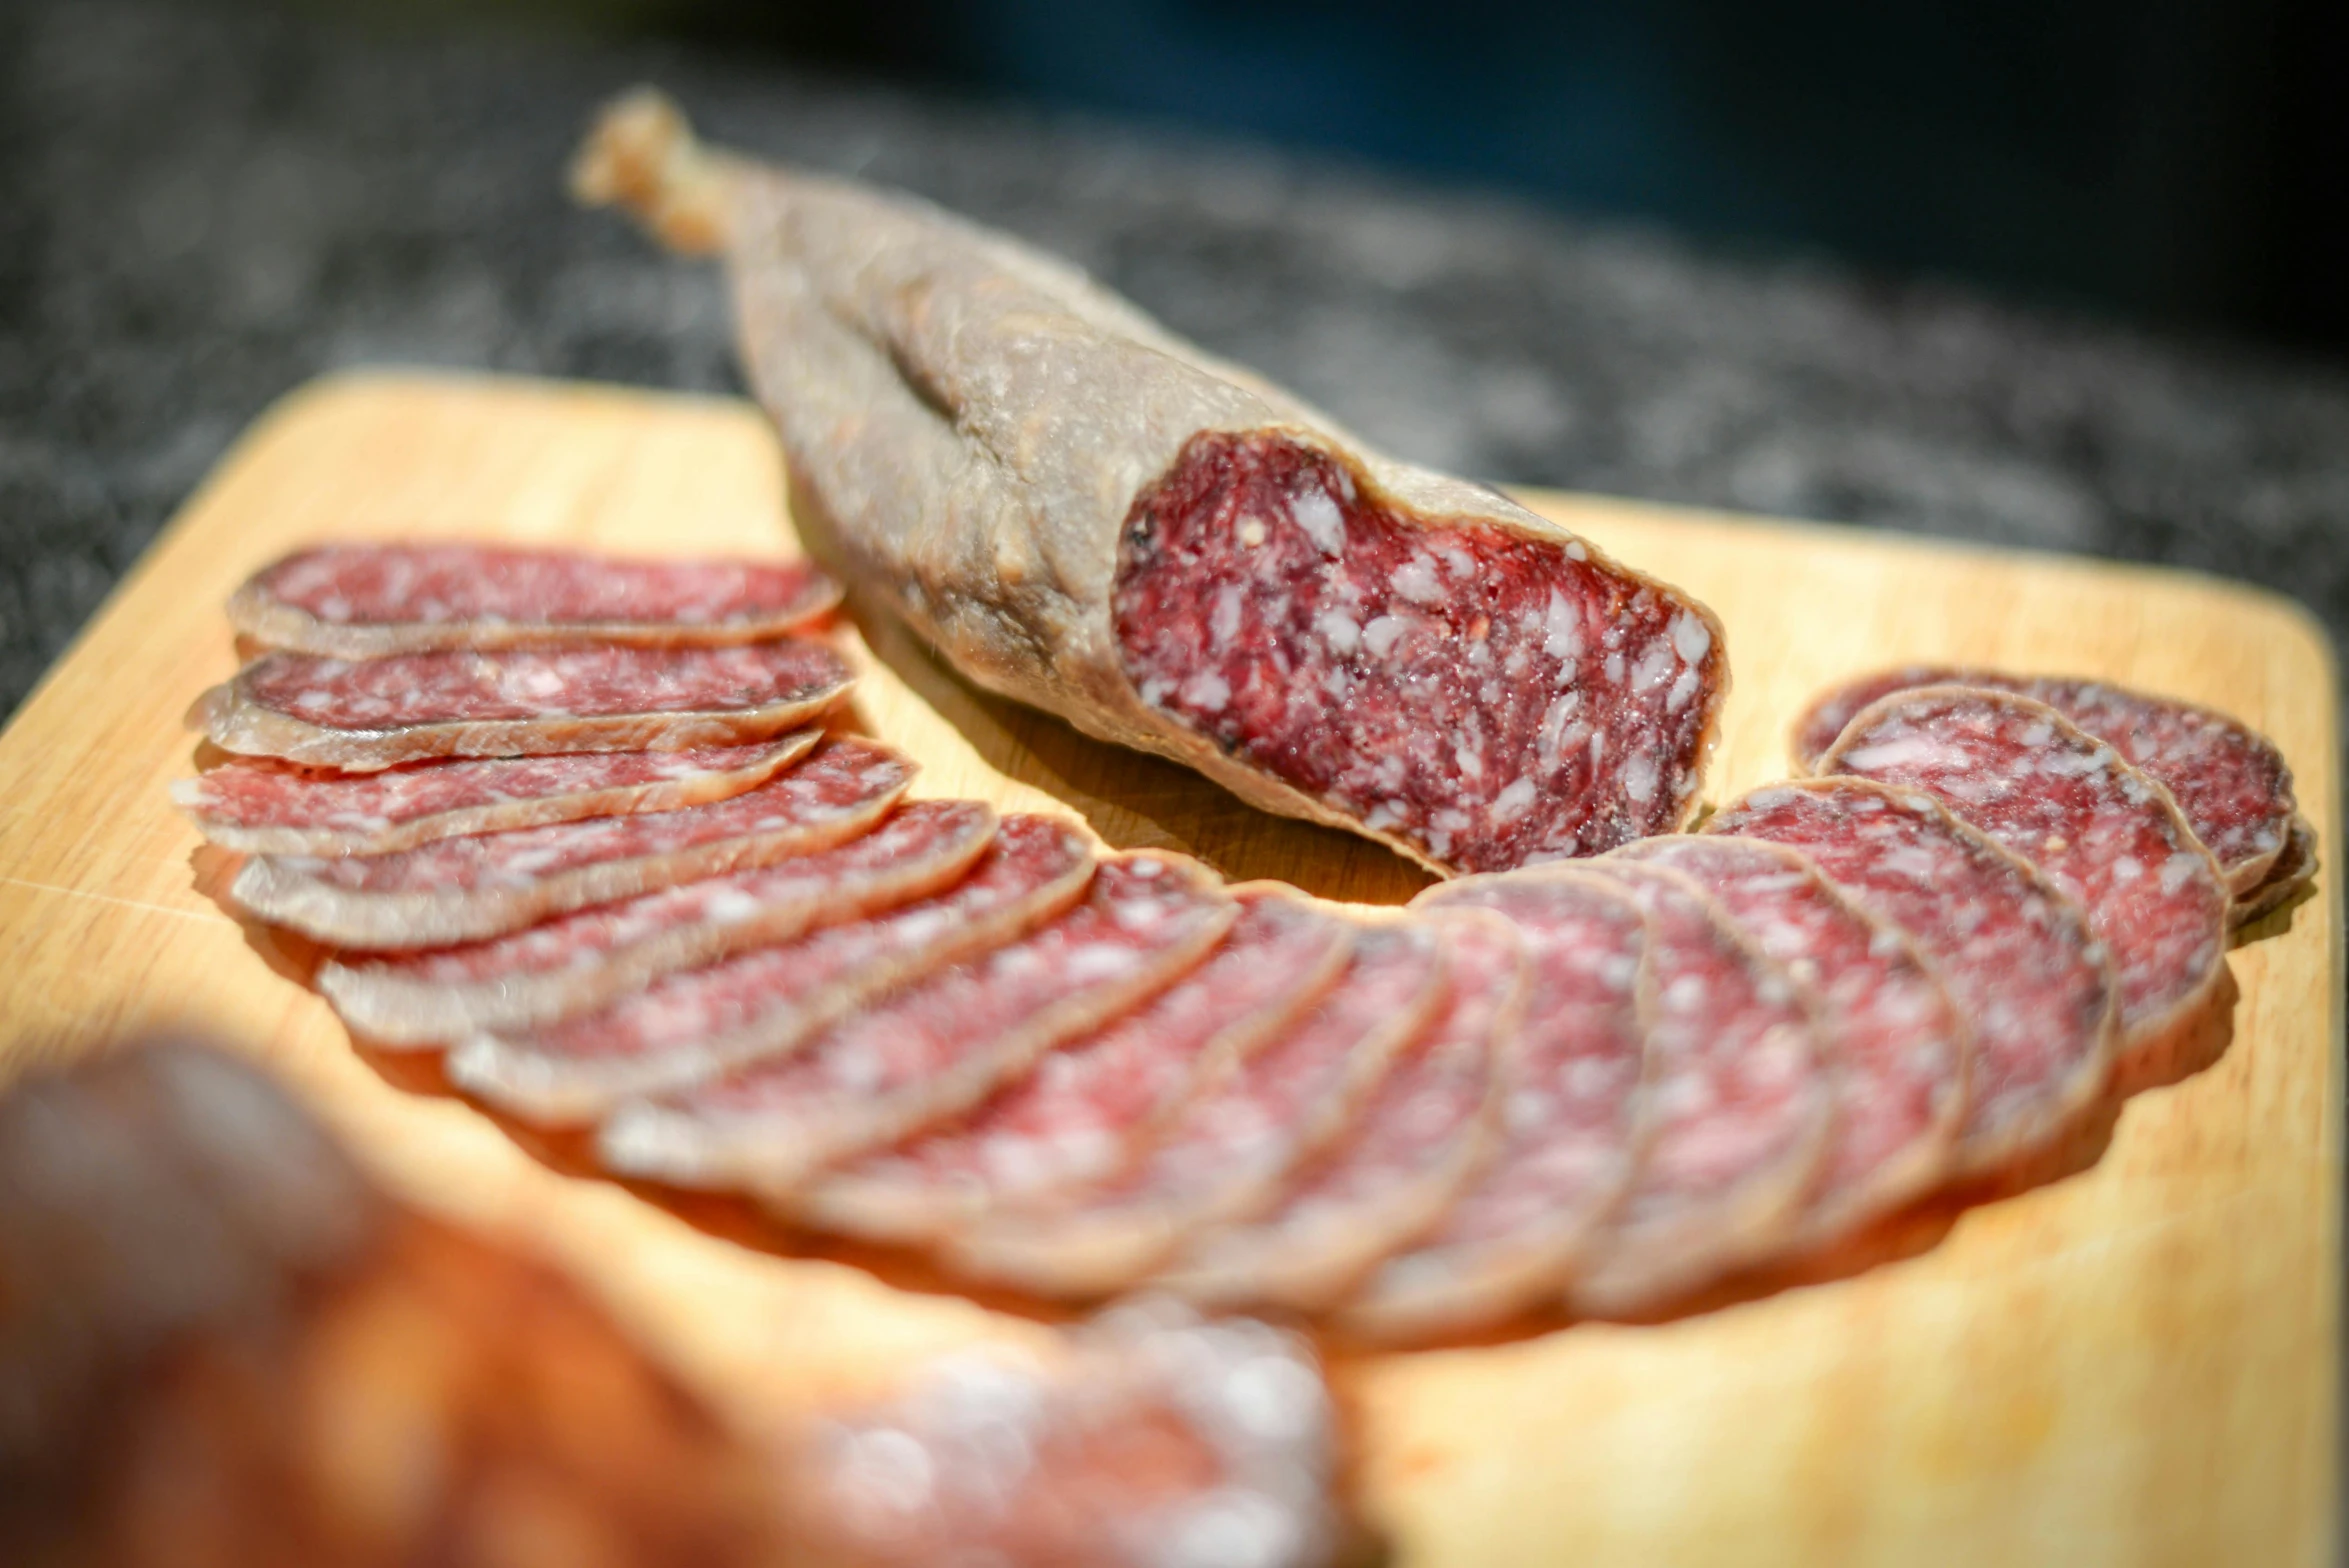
[(204, 209)]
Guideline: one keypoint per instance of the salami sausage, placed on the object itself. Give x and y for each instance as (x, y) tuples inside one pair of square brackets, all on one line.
[(1900, 1046), (763, 1002), (363, 601), (375, 714), (2230, 781), (1148, 1439), (1572, 1122), (2016, 954), (1070, 1121), (936, 1049), (267, 808), (463, 889), (1231, 1146), (1091, 516), (2102, 831), (1740, 1106), (577, 963), (1424, 1136)]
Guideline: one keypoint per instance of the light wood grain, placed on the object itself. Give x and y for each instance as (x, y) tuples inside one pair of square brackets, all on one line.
[(2135, 1366)]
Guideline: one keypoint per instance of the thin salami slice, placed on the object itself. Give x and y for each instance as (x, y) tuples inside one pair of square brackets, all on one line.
[(463, 889), (934, 1050), (363, 601), (1231, 1146), (1572, 1121), (577, 963), (763, 1002), (1149, 1439), (261, 807), (1740, 1103), (2292, 872), (378, 713), (1476, 696), (1070, 1121), (1424, 1136), (1900, 1045), (2102, 831), (2016, 954), (2229, 780)]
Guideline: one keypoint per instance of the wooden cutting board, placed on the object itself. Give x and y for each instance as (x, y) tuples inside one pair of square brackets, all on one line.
[(2134, 1366)]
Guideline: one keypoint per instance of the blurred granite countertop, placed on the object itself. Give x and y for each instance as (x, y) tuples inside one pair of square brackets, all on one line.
[(206, 207)]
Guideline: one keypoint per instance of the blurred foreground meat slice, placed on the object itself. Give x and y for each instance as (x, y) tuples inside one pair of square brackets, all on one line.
[(1151, 1439), (362, 601)]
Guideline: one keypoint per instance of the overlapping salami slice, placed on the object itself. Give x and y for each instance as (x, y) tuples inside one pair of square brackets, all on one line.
[(363, 601), (1572, 1122), (1154, 1440), (1231, 1147), (576, 963), (1739, 1101), (763, 1002), (269, 808), (2230, 781), (378, 713), (2016, 954), (2101, 830), (1426, 1133), (1070, 1121), (1899, 1044), (935, 1049), (463, 889)]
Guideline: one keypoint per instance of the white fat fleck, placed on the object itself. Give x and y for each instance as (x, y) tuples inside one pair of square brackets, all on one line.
[(1323, 523), (1088, 964), (1639, 778), (1654, 668), (1614, 669), (1251, 532), (1340, 630), (1383, 633), (1416, 581), (1207, 691), (731, 906), (313, 702), (1458, 562), (1386, 814), (1682, 689), (1223, 622), (2127, 869), (1469, 760), (1575, 551), (1692, 639), (1562, 629), (2178, 870), (1511, 803)]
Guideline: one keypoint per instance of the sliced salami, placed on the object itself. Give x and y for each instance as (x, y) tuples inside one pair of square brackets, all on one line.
[(1150, 1439), (363, 601), (2102, 831), (1739, 1101), (463, 889), (375, 714), (261, 807), (688, 1026), (576, 963), (1070, 1122), (1424, 1136), (934, 1050), (2229, 780), (1572, 1123), (1232, 1145), (2016, 954), (1900, 1046)]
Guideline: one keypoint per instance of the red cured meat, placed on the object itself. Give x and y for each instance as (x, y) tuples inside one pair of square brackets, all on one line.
[(1149, 1440), (361, 601), (577, 962), (2102, 831), (380, 712), (2230, 781), (462, 889), (935, 1049), (1233, 1143), (1738, 1101), (267, 808), (1571, 1126), (1070, 1121), (1481, 698), (759, 1003), (1424, 1136), (1899, 1045), (2016, 954)]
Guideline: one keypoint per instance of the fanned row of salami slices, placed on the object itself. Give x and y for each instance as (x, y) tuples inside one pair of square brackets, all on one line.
[(586, 835)]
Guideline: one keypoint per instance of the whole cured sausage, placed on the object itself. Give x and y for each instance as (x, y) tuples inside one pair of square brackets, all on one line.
[(362, 601), (1089, 515)]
